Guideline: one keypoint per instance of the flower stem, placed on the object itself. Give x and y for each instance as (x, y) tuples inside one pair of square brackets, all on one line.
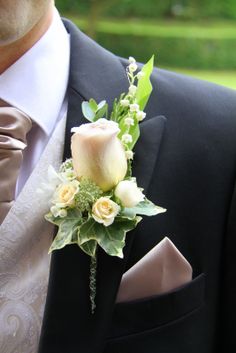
[(92, 283)]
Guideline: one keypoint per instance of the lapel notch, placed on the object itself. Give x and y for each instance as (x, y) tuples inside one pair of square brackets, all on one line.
[(147, 150)]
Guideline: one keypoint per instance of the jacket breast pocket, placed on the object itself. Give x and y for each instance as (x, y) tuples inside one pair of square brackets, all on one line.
[(142, 315)]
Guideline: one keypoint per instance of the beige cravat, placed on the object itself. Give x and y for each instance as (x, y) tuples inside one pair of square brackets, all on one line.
[(25, 238), (14, 126)]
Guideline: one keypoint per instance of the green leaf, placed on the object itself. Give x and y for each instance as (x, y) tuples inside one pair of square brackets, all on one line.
[(86, 231), (128, 212), (87, 237), (112, 238), (89, 247), (135, 133), (67, 230), (101, 105), (144, 87), (145, 208), (50, 218), (88, 111), (117, 110), (101, 112), (93, 105)]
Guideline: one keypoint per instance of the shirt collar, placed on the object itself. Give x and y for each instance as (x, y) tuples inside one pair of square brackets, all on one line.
[(37, 82)]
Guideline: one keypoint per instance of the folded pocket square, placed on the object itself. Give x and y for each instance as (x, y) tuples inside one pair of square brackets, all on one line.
[(162, 269)]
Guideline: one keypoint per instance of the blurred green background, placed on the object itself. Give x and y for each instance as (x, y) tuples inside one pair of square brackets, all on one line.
[(196, 37)]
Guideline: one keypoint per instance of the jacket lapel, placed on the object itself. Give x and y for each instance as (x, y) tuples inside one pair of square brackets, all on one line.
[(68, 323), (94, 73)]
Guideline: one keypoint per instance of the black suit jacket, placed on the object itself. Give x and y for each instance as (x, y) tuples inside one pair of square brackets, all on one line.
[(186, 162)]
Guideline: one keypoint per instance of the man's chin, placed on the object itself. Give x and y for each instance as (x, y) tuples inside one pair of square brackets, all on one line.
[(11, 36)]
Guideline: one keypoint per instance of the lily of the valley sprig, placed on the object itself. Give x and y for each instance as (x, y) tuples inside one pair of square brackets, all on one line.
[(96, 199)]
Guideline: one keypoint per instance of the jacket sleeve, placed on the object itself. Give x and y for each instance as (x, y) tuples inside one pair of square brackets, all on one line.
[(227, 323)]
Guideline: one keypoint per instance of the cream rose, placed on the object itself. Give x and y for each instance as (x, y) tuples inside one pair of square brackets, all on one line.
[(65, 193), (98, 154), (105, 210), (129, 193)]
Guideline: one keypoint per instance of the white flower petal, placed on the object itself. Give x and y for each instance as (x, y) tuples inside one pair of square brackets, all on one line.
[(129, 193)]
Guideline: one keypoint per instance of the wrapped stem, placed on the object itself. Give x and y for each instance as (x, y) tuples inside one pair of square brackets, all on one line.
[(92, 281)]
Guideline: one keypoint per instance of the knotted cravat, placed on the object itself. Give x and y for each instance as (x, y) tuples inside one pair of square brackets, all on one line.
[(14, 126)]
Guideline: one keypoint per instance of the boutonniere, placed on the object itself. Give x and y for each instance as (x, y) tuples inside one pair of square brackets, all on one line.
[(96, 199)]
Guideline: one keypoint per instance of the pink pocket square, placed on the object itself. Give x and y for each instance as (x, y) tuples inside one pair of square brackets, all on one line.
[(162, 269)]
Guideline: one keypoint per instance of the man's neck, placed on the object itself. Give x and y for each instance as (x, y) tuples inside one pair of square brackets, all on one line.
[(12, 52)]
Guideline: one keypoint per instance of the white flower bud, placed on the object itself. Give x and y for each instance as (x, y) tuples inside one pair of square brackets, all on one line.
[(140, 74), (132, 60), (129, 121), (133, 67), (134, 107), (124, 102), (55, 211), (127, 138), (129, 154), (140, 115), (98, 153), (62, 213), (132, 89), (129, 193)]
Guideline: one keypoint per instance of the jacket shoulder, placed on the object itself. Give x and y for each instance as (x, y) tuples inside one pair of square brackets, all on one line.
[(188, 101)]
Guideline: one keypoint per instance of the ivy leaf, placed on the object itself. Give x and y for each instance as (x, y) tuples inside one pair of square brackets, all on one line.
[(128, 212), (87, 237), (50, 218), (111, 239), (67, 229), (88, 112), (86, 231), (66, 232), (89, 247), (145, 208), (144, 87)]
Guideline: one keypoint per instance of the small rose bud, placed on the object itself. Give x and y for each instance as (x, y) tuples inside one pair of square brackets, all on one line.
[(65, 193), (105, 210), (127, 138)]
